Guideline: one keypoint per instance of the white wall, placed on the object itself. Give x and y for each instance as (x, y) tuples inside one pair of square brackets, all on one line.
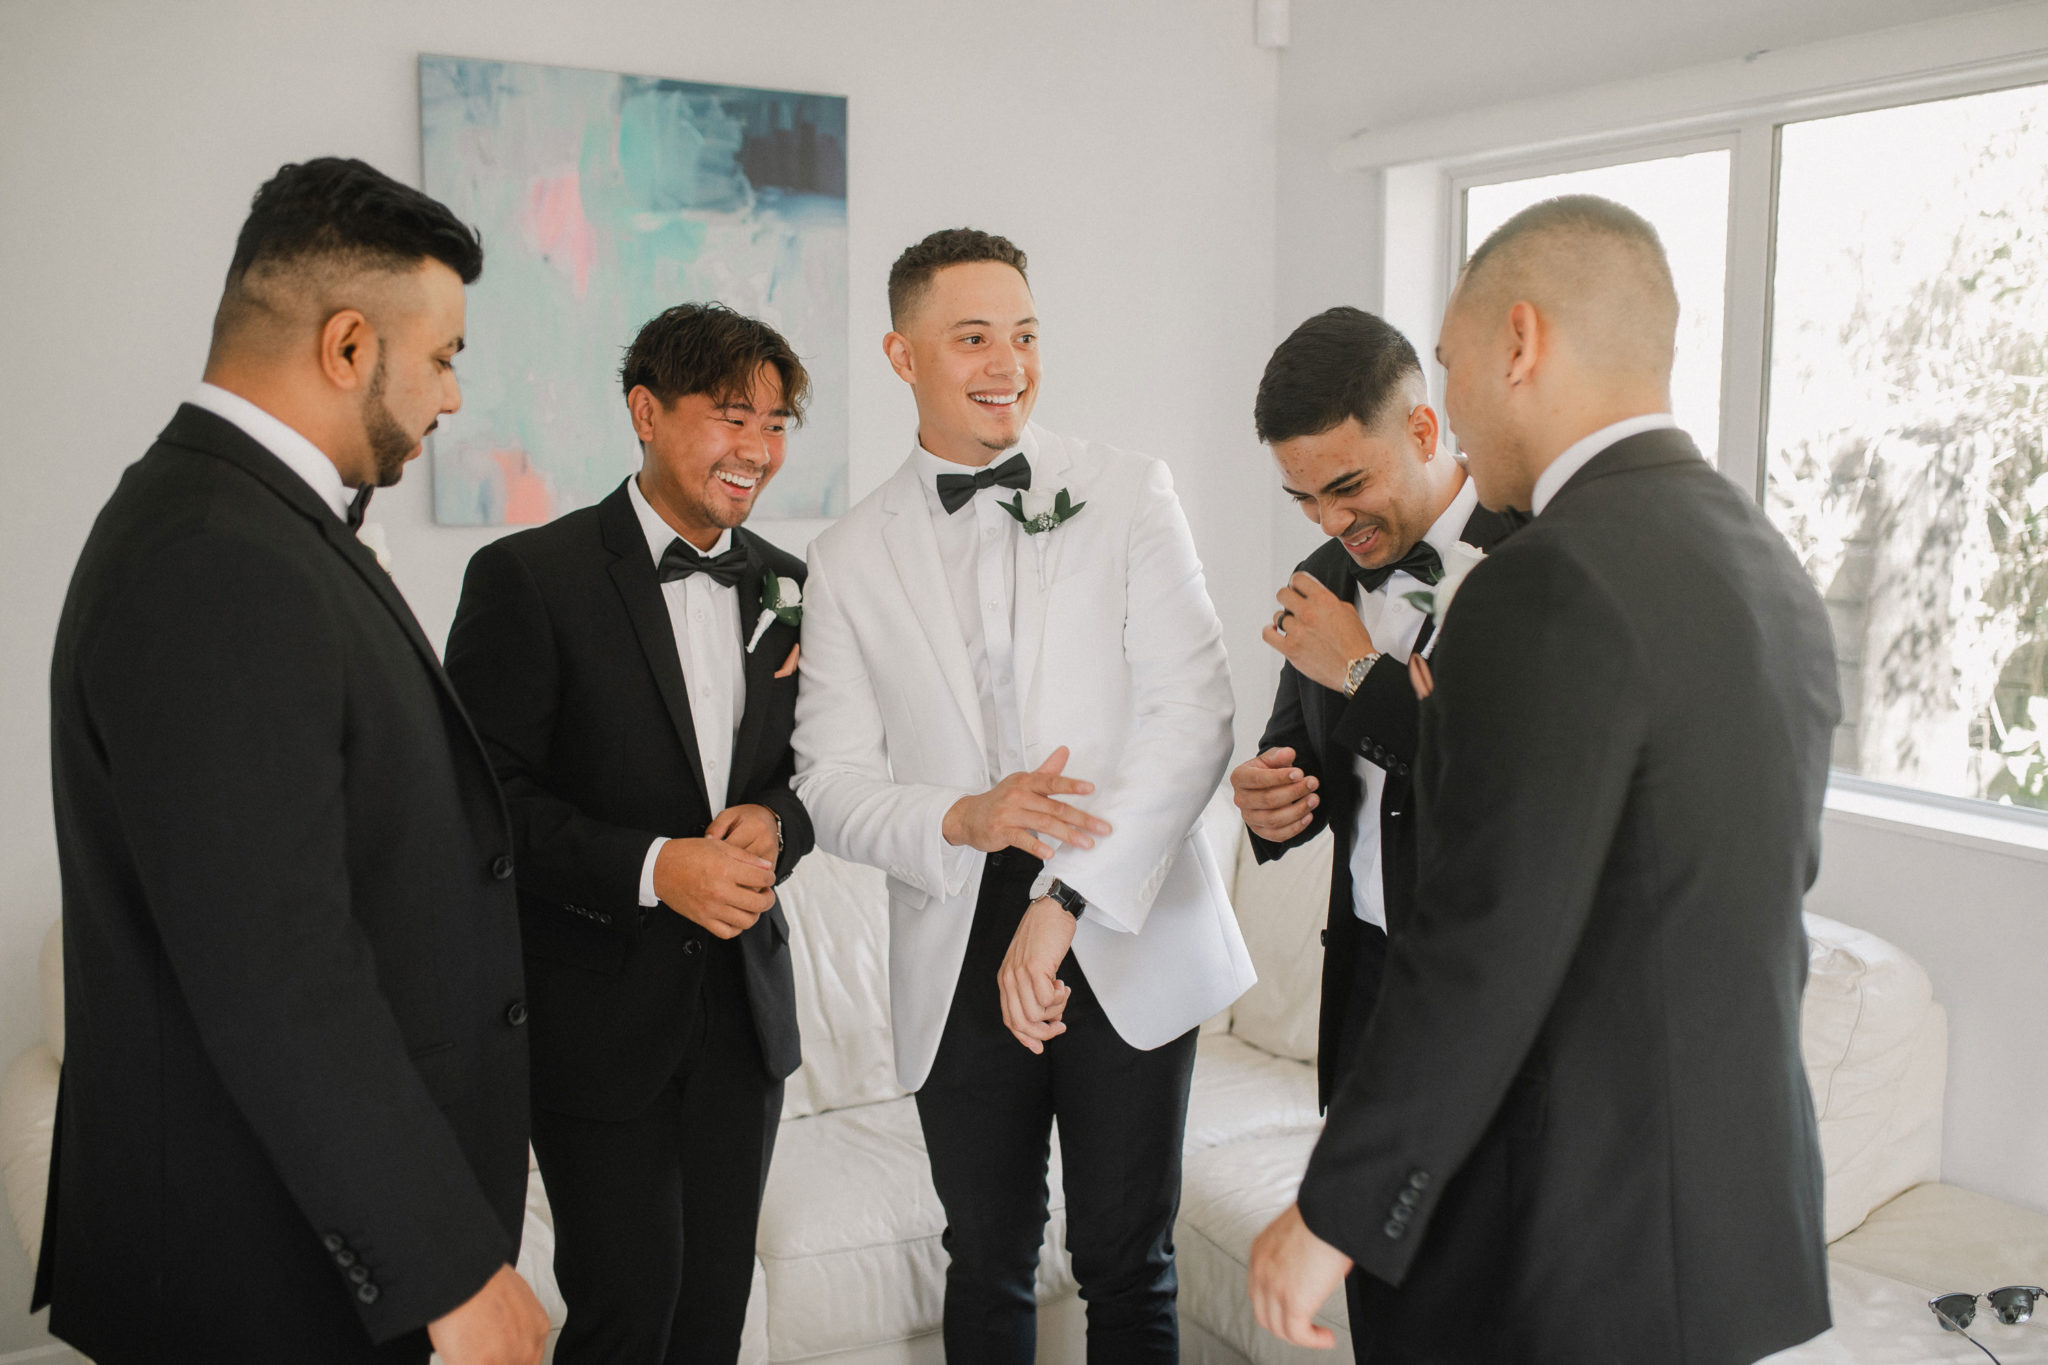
[(1127, 147), (1976, 917)]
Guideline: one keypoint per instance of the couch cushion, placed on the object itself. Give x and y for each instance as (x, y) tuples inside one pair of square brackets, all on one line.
[(1875, 1046), (1281, 908), (1241, 1091), (1941, 1238), (850, 1228), (1228, 1196), (28, 1113), (839, 947), (1882, 1321)]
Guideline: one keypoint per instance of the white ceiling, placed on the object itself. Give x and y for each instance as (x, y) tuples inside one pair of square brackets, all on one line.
[(1355, 64)]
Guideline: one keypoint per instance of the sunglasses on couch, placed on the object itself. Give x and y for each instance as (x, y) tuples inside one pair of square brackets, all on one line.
[(2013, 1304)]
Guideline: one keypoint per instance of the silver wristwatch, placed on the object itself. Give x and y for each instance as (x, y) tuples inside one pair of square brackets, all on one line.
[(1354, 674)]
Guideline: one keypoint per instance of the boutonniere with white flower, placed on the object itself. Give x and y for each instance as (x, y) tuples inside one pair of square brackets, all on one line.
[(782, 599), (371, 533), (1040, 512), (1461, 560)]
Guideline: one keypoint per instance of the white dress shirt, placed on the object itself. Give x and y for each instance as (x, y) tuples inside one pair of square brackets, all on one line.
[(705, 618), (300, 455), (1585, 448), (978, 545), (1394, 624)]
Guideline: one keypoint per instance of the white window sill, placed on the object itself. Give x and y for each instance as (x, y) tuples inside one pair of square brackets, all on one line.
[(1948, 820)]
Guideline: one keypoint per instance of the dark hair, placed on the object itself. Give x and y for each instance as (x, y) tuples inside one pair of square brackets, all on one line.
[(948, 246), (708, 348), (336, 207), (1341, 363), (1576, 213)]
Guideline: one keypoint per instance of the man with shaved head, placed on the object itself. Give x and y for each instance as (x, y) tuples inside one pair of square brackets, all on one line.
[(1578, 1129), (293, 1117)]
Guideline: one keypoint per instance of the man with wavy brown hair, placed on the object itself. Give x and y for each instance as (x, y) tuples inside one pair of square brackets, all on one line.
[(636, 691)]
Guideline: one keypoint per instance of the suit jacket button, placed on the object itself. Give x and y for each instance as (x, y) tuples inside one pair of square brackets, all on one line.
[(1323, 937), (344, 1258), (501, 867), (1407, 1198), (1418, 1180), (366, 1293), (1395, 1231), (332, 1241), (691, 947), (604, 919), (359, 1275), (1401, 1213), (515, 1013)]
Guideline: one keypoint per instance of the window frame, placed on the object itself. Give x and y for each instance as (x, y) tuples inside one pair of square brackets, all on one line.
[(1426, 168)]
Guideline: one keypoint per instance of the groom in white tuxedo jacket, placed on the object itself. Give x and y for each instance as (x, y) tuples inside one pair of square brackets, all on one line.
[(1016, 704)]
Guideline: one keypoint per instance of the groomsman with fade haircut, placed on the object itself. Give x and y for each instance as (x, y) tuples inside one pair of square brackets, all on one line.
[(1577, 1127), (292, 1124), (632, 668), (1345, 409), (1016, 704)]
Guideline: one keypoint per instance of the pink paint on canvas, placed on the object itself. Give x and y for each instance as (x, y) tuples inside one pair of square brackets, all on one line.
[(527, 499), (556, 227)]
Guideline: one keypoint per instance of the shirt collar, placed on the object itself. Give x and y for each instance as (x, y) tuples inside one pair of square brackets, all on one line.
[(660, 535), (297, 453), (1449, 528), (1579, 452)]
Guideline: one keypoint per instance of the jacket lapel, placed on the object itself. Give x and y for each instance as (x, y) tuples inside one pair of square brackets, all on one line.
[(632, 572), (914, 551), (759, 666)]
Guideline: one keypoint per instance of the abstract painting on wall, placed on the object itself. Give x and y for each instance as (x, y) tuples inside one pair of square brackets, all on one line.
[(602, 200)]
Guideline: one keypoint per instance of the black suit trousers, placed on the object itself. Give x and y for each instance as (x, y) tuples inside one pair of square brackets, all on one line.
[(988, 1109), (655, 1215)]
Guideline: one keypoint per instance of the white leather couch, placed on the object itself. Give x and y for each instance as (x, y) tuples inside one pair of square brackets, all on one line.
[(850, 1269)]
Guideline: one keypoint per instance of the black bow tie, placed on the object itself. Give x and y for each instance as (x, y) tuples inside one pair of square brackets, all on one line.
[(358, 506), (1422, 562), (680, 560), (956, 489)]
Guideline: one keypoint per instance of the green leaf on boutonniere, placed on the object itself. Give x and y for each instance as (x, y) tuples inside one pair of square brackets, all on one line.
[(1424, 602), (1015, 508)]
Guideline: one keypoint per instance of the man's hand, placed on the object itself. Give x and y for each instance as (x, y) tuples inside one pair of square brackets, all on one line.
[(1277, 799), (1318, 631), (1020, 808), (501, 1324), (1034, 997), (1293, 1273), (752, 828), (1420, 678), (715, 883)]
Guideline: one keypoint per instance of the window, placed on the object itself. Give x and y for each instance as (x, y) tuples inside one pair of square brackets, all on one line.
[(1686, 200), (1907, 436), (1862, 274)]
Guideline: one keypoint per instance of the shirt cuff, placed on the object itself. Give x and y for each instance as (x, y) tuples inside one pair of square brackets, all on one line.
[(648, 900)]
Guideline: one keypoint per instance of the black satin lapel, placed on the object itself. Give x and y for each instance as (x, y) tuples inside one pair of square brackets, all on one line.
[(641, 592), (758, 668)]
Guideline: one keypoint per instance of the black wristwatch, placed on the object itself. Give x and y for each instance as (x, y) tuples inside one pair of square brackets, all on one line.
[(1067, 898)]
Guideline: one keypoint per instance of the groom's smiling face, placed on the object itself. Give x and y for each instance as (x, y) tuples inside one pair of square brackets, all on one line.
[(1369, 488), (969, 351)]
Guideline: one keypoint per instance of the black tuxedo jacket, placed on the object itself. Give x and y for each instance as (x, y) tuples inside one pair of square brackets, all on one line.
[(1328, 733), (1592, 1009), (563, 650), (293, 1112)]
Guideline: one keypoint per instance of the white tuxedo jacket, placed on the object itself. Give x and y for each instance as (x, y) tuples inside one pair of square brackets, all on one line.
[(1119, 656)]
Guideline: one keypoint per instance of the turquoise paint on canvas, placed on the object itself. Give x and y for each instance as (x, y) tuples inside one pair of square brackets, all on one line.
[(603, 199)]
